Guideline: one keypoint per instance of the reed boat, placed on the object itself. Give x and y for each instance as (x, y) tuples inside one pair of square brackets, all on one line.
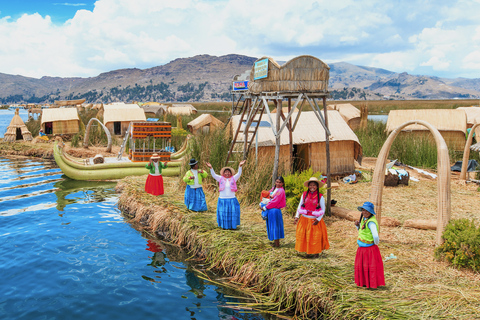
[(112, 168)]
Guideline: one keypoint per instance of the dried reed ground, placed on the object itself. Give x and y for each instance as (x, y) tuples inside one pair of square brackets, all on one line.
[(418, 287)]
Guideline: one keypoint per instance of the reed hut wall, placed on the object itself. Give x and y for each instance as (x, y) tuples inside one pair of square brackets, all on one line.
[(123, 127), (63, 120), (451, 123), (309, 143), (65, 127), (304, 73)]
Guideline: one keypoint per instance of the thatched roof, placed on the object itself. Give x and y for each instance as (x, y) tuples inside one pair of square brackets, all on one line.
[(303, 73), (156, 109), (15, 123), (347, 111), (69, 102), (204, 120), (308, 130), (285, 110), (181, 109), (59, 114), (442, 119), (473, 114), (122, 112)]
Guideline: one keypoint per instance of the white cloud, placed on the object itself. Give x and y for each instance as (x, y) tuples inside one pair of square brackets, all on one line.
[(145, 33)]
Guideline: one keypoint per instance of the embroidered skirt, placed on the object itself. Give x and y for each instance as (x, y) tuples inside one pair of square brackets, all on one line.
[(311, 239), (228, 213), (154, 185), (274, 224), (369, 267), (195, 199)]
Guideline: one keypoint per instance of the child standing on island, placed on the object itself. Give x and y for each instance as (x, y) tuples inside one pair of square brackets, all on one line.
[(194, 196), (368, 261)]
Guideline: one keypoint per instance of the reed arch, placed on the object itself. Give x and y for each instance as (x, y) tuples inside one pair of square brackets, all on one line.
[(466, 152), (443, 178), (107, 132)]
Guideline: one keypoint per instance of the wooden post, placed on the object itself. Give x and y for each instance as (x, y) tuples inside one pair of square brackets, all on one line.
[(327, 154), (245, 130), (277, 142), (290, 134)]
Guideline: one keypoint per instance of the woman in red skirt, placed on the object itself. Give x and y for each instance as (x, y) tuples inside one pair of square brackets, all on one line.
[(368, 261), (154, 184)]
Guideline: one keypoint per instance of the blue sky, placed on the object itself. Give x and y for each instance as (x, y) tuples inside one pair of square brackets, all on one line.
[(85, 38)]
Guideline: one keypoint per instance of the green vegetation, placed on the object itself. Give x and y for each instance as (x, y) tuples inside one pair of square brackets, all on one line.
[(462, 244), (408, 149)]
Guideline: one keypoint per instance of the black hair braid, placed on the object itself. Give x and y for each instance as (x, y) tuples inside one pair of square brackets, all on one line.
[(366, 222)]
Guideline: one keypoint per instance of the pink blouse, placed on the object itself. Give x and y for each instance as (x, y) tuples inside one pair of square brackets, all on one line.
[(279, 200)]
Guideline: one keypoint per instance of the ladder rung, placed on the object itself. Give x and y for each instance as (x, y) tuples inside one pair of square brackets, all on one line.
[(235, 151)]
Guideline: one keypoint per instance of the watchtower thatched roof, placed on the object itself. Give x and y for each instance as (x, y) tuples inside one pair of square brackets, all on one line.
[(15, 125), (301, 74)]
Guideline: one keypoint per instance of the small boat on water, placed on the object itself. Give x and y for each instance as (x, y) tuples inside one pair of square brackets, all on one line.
[(112, 168)]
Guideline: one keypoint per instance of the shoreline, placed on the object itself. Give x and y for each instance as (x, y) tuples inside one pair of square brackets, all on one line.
[(285, 281)]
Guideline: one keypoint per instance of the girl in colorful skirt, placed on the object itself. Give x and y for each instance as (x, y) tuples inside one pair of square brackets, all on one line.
[(273, 213), (311, 229), (194, 197), (368, 261), (228, 208), (154, 184)]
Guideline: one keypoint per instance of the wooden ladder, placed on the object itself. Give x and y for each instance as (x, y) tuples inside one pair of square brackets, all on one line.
[(250, 114)]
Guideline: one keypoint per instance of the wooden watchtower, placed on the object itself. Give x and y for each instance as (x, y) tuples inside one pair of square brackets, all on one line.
[(302, 82)]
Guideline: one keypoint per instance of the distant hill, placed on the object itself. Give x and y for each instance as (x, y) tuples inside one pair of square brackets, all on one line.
[(208, 78)]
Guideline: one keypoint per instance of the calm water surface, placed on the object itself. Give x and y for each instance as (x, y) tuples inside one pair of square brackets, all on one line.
[(66, 253)]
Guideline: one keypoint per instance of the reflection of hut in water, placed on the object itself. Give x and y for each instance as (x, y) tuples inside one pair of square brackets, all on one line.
[(309, 143), (60, 121), (205, 123), (349, 113), (451, 123), (17, 130), (117, 116)]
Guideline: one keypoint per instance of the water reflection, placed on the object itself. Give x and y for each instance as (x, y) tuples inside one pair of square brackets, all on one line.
[(70, 191)]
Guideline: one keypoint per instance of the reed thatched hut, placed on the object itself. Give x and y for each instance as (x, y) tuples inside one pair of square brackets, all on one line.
[(154, 111), (17, 130), (309, 143), (204, 123), (300, 74), (349, 113), (60, 121), (473, 116), (451, 123), (117, 116), (182, 109)]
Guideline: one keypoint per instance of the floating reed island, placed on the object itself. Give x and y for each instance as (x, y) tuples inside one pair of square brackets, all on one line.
[(282, 281)]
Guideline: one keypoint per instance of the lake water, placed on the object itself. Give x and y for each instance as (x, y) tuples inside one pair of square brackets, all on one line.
[(68, 254), (6, 116)]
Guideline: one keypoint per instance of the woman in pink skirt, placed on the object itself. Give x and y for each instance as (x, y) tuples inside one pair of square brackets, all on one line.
[(368, 261)]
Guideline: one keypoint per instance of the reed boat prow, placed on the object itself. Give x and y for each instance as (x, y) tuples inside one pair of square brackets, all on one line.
[(111, 169)]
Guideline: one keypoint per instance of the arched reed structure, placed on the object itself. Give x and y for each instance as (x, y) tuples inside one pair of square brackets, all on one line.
[(466, 152), (443, 179), (107, 132)]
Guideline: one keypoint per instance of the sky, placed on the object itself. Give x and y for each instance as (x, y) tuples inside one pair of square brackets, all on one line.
[(85, 38)]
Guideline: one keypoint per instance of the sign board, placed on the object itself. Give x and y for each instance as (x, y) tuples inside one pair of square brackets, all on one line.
[(261, 69), (240, 85)]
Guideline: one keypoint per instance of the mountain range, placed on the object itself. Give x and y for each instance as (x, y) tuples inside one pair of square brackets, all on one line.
[(209, 78)]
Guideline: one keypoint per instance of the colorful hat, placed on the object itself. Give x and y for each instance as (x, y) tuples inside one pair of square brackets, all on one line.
[(155, 156), (192, 162), (314, 179), (227, 168), (367, 206)]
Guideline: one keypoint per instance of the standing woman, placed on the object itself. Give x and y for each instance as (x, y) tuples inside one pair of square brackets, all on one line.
[(273, 213), (154, 184), (368, 261), (228, 208), (194, 197), (311, 229)]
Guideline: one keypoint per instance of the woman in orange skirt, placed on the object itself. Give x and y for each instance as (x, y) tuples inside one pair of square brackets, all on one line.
[(154, 183), (311, 229)]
